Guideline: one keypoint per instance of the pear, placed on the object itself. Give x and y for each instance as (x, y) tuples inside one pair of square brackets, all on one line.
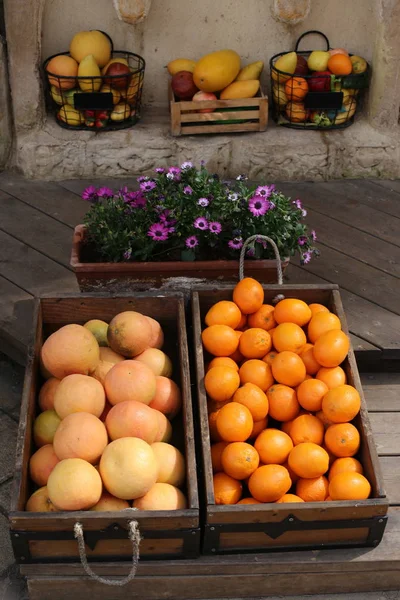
[(318, 60), (286, 63), (251, 71), (89, 68), (70, 115)]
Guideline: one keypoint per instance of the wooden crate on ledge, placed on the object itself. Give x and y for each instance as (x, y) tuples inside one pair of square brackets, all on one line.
[(233, 116)]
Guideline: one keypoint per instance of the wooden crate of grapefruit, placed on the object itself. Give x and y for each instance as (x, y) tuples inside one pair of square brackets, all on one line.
[(95, 447), (289, 458)]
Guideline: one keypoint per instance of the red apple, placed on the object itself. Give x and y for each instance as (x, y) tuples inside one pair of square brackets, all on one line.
[(113, 80), (320, 81), (183, 86), (200, 97), (302, 66)]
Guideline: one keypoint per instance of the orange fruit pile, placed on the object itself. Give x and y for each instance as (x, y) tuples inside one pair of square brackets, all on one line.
[(281, 413)]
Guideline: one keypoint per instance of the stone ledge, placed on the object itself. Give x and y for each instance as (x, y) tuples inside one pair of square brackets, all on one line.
[(360, 151)]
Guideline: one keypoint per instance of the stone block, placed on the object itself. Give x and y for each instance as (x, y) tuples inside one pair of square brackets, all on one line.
[(5, 496), (6, 551), (11, 381), (8, 437)]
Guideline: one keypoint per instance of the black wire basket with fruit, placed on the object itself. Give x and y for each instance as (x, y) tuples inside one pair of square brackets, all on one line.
[(93, 86), (317, 89)]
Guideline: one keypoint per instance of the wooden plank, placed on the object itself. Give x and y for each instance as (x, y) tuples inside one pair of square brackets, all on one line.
[(367, 192), (390, 466), (385, 428), (44, 233), (176, 125), (322, 199), (48, 197), (31, 270), (239, 102), (218, 116), (360, 345), (16, 310), (232, 128), (263, 114), (393, 185), (355, 243), (382, 391)]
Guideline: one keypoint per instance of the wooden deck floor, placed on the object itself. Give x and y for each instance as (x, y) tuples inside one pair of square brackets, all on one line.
[(357, 222)]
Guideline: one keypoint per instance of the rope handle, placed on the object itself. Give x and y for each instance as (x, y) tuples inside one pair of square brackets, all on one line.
[(134, 536), (277, 256), (312, 31)]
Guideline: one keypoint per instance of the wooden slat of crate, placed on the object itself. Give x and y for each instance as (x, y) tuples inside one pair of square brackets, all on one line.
[(232, 520), (186, 120), (49, 536)]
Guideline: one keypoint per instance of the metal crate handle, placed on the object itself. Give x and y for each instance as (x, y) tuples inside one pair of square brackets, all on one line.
[(277, 256), (309, 33), (134, 536)]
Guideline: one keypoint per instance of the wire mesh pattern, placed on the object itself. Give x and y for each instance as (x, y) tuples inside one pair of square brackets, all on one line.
[(315, 100), (111, 101)]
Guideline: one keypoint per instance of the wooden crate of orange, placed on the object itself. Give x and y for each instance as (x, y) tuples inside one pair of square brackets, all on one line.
[(284, 425), (43, 533)]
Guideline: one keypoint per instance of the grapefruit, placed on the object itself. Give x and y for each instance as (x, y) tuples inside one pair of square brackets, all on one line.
[(130, 333), (91, 42), (74, 484), (47, 392), (60, 67), (79, 393), (171, 464), (167, 398), (130, 380), (108, 358), (132, 419), (162, 496), (157, 360), (80, 435), (41, 464), (71, 349)]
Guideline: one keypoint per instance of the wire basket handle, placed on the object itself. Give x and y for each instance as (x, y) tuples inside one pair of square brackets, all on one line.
[(134, 536), (309, 33), (277, 256)]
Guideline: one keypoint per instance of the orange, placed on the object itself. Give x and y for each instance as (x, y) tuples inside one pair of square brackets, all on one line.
[(292, 474), (287, 424), (212, 405), (216, 453), (242, 322), (237, 356), (316, 308), (332, 457), (263, 318), (268, 358), (296, 88), (309, 460), (223, 361), (342, 439), (224, 312), (257, 372), (288, 368), (248, 501), (221, 383), (255, 343), (328, 499), (212, 423), (220, 340), (307, 356), (313, 490), (283, 404), (321, 323), (341, 404), (226, 489), (332, 376), (296, 112), (292, 310), (289, 498), (349, 486), (340, 64), (248, 295), (258, 427), (234, 422), (254, 398), (344, 465), (289, 336), (324, 419), (239, 460), (273, 446), (271, 331), (331, 348), (307, 428), (310, 394), (269, 483)]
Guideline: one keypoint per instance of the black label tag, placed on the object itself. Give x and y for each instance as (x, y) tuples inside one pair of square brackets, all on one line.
[(324, 100), (94, 101)]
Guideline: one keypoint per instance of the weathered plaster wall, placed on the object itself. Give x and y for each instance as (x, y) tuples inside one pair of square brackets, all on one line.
[(188, 28)]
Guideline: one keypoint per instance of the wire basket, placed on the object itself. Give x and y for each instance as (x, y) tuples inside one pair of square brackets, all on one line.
[(315, 100), (108, 102)]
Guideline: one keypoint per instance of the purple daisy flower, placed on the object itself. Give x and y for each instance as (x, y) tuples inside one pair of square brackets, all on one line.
[(105, 192), (128, 254), (314, 235), (203, 202), (160, 170), (302, 240), (263, 242), (90, 194), (147, 186), (164, 216), (158, 232), (202, 163), (192, 241), (201, 223), (186, 165), (297, 203), (236, 243), (171, 229), (258, 205), (142, 178), (215, 227), (303, 212), (265, 190), (232, 196), (250, 252), (307, 257), (241, 178), (187, 190), (175, 172)]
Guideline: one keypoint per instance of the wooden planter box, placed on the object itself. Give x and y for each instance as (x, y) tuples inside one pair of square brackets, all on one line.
[(49, 537), (257, 528), (128, 275), (249, 114)]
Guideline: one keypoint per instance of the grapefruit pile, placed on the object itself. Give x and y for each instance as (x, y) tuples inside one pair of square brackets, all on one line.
[(280, 409), (103, 433)]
